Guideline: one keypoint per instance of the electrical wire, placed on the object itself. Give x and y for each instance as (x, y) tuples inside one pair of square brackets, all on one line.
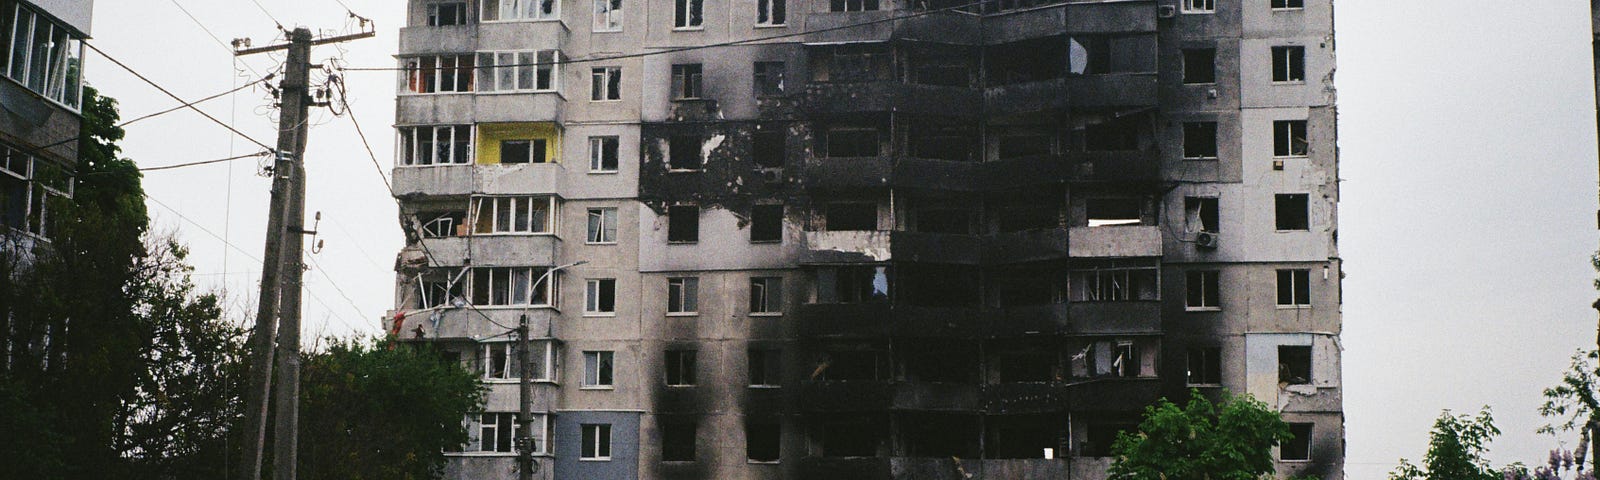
[(667, 51), (164, 112), (169, 93), (269, 16), (203, 162), (213, 36)]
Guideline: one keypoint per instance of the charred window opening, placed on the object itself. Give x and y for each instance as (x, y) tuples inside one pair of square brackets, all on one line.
[(852, 142), (1294, 288), (1205, 366), (684, 152), (1113, 285), (1201, 215), (686, 81), (1199, 65), (765, 367), (1292, 211), (1024, 62), (939, 68), (851, 216), (852, 365), (677, 438), (1089, 55), (1029, 214), (943, 142), (769, 77), (1299, 447), (1024, 436), (680, 366), (852, 436), (1289, 64), (856, 284), (443, 224), (946, 220), (1294, 364), (941, 362), (683, 224), (938, 285), (1109, 212), (1036, 366), (1103, 54), (763, 438), (766, 223), (853, 64), (1025, 287), (1101, 436), (769, 150), (766, 295), (1289, 138), (936, 435), (1116, 135), (1200, 141), (1202, 289), (1022, 145)]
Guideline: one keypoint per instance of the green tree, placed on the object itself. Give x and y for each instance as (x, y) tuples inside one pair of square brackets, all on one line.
[(1232, 440), (382, 410), (1455, 450), (1575, 403)]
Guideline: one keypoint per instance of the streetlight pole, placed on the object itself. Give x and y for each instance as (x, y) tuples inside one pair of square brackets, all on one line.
[(525, 390)]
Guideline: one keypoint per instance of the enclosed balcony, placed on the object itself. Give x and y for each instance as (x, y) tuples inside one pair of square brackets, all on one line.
[(1119, 241)]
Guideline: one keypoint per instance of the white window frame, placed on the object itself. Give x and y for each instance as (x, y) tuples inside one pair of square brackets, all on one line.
[(1286, 5), (857, 6), (541, 423), (411, 71), (409, 149), (431, 13), (1187, 285), (57, 84), (591, 300), (678, 365), (522, 11), (599, 441), (1300, 126), (598, 150), (486, 354), (1199, 6), (687, 22), (687, 295), (532, 274), (770, 290), (608, 16), (1189, 366), (521, 67), (511, 204), (600, 214), (1112, 285), (1293, 283), (1288, 64), (764, 8), (595, 357), (602, 81)]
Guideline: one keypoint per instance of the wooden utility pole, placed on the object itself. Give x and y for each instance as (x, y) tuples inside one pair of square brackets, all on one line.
[(282, 271), (525, 400)]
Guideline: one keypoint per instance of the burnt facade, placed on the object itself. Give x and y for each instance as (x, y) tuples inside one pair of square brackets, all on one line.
[(871, 238)]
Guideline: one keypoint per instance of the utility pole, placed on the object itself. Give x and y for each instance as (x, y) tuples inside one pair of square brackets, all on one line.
[(525, 400), (283, 270)]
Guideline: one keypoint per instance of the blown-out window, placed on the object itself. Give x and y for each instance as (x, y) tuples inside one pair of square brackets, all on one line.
[(435, 145), (509, 10), (1113, 285), (517, 214), (514, 286), (40, 54), (439, 73), (518, 71)]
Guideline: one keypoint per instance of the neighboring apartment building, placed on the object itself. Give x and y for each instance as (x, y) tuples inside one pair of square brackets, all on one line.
[(41, 71), (890, 235)]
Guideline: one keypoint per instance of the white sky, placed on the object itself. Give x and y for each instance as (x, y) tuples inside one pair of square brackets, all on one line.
[(1468, 153)]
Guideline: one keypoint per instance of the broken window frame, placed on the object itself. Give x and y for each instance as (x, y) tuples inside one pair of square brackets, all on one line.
[(599, 370), (678, 435), (764, 436), (1298, 448), (1199, 6), (769, 148), (1202, 214), (605, 84), (1105, 218), (680, 367), (429, 75), (1288, 5), (687, 81), (688, 15), (1289, 64), (769, 76), (683, 296), (1294, 288), (596, 440), (766, 223), (1208, 373), (600, 297), (496, 433), (536, 218), (1198, 71), (856, 138), (678, 155), (771, 13), (854, 5), (1291, 212), (519, 71), (603, 154), (1114, 285), (683, 224), (1196, 135), (1202, 290), (764, 368), (1289, 368), (499, 361), (766, 296), (607, 16), (512, 287), (836, 214), (39, 186), (1290, 139), (437, 15), (602, 228), (492, 11), (41, 55), (444, 145)]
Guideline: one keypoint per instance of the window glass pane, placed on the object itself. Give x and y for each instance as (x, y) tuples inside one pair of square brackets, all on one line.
[(20, 43)]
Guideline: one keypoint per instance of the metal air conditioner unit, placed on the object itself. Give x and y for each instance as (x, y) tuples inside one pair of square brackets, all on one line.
[(1207, 240), (1166, 11)]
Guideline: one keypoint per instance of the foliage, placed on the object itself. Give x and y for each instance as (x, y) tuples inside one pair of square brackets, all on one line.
[(1201, 441), (380, 410), (1575, 403), (1456, 448), (1561, 462)]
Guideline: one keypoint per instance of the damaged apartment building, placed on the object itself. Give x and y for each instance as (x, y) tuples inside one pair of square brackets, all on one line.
[(41, 72), (864, 239)]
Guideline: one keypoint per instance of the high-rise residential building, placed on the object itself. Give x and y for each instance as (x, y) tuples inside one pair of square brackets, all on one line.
[(41, 72), (847, 239)]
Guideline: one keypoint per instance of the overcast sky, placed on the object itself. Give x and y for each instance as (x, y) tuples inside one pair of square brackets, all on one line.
[(1467, 137)]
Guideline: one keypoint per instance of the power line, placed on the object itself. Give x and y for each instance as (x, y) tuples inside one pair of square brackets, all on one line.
[(188, 104), (607, 58), (203, 162), (213, 36), (269, 15), (163, 112)]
